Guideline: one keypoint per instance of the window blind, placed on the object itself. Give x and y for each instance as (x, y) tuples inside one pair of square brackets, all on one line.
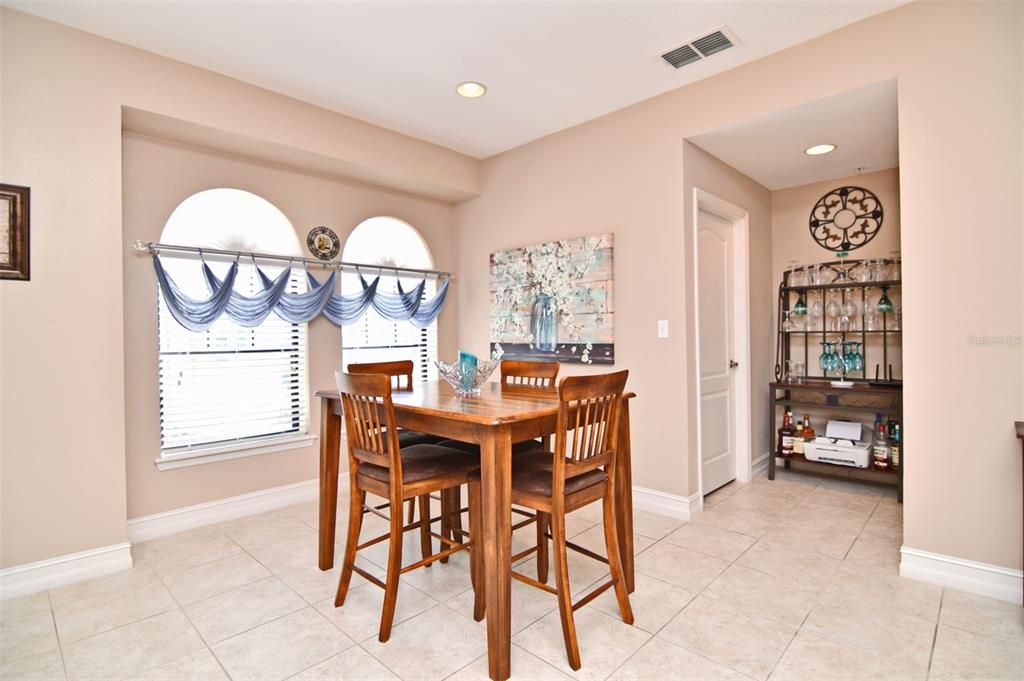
[(230, 383)]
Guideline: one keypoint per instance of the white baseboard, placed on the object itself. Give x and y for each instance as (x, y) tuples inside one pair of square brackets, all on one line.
[(149, 527), (22, 580), (759, 467), (959, 573), (672, 505)]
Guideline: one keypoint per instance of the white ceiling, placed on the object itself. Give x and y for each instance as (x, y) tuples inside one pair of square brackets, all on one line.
[(862, 123), (548, 66)]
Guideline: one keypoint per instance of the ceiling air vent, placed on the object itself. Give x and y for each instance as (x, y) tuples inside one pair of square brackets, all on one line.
[(712, 43), (705, 46), (681, 56)]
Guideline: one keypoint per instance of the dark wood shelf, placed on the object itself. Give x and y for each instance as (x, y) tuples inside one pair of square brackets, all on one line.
[(882, 348), (844, 407), (843, 333), (888, 476), (846, 284), (859, 386)]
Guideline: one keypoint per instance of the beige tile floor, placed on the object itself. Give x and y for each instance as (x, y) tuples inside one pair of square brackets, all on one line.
[(791, 579)]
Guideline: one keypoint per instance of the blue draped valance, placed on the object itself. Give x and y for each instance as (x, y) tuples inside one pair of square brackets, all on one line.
[(199, 315)]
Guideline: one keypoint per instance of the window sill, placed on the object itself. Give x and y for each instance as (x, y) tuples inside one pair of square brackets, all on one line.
[(202, 455)]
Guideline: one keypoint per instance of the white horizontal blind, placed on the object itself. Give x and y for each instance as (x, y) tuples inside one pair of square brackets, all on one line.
[(230, 383), (375, 339)]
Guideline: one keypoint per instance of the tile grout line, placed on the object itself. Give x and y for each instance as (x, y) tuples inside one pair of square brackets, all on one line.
[(56, 631), (192, 624), (935, 632)]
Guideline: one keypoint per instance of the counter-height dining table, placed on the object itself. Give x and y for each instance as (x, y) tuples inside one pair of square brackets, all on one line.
[(495, 419)]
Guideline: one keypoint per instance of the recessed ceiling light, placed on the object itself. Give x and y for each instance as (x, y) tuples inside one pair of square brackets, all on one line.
[(819, 149), (471, 89)]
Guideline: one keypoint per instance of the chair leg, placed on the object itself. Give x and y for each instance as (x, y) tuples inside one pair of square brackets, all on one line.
[(611, 541), (542, 547), (412, 511), (572, 649), (476, 550), (456, 519), (446, 519), (451, 518), (355, 524), (426, 543), (387, 615)]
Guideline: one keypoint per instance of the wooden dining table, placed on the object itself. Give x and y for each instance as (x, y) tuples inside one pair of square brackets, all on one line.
[(495, 420)]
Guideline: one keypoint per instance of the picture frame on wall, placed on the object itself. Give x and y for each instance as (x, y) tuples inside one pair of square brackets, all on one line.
[(553, 302), (14, 232)]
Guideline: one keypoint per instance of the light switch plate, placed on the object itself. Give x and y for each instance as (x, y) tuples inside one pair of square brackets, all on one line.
[(662, 328)]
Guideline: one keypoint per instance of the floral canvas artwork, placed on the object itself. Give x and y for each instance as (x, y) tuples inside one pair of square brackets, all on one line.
[(553, 301)]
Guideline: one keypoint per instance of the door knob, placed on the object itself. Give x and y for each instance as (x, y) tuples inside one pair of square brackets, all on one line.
[(733, 364)]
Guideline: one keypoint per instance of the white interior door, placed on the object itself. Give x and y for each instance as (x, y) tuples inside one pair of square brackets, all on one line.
[(715, 301)]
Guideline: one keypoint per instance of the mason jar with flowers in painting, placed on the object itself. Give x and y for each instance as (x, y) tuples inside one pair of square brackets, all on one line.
[(553, 301)]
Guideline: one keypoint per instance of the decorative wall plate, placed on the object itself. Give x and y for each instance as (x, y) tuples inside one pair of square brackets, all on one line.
[(846, 218), (323, 243)]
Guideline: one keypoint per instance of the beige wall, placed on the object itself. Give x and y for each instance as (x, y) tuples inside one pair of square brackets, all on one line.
[(158, 175), (63, 360), (703, 171), (791, 209), (960, 161)]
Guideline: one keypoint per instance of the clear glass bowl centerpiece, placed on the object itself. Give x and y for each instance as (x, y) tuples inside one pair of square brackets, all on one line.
[(466, 383)]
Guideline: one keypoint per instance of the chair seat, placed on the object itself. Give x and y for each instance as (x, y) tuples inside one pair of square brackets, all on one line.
[(474, 449), (423, 462), (532, 473), (408, 438)]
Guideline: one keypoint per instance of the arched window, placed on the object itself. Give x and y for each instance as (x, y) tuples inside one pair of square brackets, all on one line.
[(389, 242), (229, 387)]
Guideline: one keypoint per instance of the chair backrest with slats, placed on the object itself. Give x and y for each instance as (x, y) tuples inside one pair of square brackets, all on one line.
[(369, 420), (529, 377), (588, 423), (394, 370)]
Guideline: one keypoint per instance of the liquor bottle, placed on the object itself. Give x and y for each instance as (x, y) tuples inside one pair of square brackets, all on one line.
[(895, 444), (880, 451), (786, 434), (808, 429), (798, 438)]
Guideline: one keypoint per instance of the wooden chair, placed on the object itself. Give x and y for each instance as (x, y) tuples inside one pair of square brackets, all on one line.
[(527, 378), (579, 471), (378, 465), (396, 371)]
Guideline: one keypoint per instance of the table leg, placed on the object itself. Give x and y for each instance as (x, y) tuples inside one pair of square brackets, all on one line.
[(496, 489), (624, 498), (330, 451), (771, 436)]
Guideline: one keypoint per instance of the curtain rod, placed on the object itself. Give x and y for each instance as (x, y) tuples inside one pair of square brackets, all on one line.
[(154, 248)]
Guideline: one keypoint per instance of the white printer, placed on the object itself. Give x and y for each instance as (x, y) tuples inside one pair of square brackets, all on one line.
[(840, 445)]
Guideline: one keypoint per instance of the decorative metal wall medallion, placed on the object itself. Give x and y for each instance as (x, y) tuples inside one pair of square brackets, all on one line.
[(323, 243), (846, 218)]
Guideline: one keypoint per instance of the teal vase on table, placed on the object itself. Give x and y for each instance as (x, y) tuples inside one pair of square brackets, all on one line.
[(467, 363)]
